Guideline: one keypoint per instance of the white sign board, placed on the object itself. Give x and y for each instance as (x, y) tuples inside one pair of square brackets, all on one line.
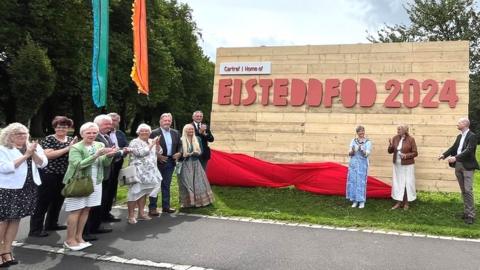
[(245, 68)]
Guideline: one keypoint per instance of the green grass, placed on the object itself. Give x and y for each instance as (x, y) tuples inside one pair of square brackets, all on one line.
[(432, 212)]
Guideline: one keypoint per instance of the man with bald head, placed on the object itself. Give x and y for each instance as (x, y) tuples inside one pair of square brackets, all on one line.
[(461, 156)]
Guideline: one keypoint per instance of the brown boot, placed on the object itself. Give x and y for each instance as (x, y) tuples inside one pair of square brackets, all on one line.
[(153, 212)]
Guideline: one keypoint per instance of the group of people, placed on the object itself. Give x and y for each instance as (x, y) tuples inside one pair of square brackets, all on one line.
[(461, 156), (34, 174)]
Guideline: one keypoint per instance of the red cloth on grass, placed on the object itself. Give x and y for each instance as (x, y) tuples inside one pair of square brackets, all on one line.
[(328, 178)]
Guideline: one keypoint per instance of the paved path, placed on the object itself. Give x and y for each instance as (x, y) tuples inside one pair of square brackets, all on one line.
[(196, 242)]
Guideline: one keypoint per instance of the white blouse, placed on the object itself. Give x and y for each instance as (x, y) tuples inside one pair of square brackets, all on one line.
[(14, 178)]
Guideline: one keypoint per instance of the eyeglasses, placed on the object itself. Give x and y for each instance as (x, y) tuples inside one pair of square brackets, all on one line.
[(21, 134), (62, 127)]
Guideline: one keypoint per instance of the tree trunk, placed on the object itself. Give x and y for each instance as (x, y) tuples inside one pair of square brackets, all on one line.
[(78, 113), (10, 109), (36, 124), (136, 121)]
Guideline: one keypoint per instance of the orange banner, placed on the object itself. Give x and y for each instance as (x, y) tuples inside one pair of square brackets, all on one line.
[(140, 47)]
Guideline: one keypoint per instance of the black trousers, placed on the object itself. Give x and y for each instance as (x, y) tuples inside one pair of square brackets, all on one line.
[(50, 201), (96, 213), (109, 193)]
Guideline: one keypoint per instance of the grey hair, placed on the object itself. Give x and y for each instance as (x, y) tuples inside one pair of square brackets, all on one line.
[(6, 135), (195, 112), (166, 115), (359, 128), (465, 121), (102, 117), (87, 126), (143, 126), (113, 115), (404, 127)]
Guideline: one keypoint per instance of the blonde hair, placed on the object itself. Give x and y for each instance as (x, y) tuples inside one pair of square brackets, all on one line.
[(6, 135), (186, 143)]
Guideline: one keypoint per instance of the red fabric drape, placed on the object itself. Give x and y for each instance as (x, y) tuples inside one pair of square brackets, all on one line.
[(327, 178)]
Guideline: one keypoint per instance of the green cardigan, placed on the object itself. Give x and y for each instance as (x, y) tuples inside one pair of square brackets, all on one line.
[(80, 158)]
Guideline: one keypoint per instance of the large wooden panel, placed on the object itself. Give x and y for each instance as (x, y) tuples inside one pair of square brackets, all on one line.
[(317, 134)]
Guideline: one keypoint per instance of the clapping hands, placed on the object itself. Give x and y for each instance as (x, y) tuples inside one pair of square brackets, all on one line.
[(108, 151), (31, 148)]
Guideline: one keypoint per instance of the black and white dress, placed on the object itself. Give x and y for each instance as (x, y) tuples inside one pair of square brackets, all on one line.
[(19, 203)]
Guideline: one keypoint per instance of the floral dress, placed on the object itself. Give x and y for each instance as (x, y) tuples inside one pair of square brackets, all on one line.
[(358, 170), (145, 161)]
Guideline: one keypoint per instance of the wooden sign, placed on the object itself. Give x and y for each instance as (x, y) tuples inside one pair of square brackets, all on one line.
[(307, 108)]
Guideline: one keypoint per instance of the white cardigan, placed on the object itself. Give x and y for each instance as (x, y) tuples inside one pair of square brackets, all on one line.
[(14, 178)]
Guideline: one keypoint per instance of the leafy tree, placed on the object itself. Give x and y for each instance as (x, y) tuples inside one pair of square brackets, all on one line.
[(32, 80), (181, 76), (443, 20)]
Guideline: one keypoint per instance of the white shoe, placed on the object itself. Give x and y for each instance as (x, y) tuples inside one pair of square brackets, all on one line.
[(86, 244), (354, 204), (361, 205), (74, 248)]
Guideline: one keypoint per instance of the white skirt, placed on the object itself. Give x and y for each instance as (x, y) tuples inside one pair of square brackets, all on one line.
[(139, 190), (94, 199), (403, 178)]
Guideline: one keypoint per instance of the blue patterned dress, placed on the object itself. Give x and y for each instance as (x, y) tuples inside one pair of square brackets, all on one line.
[(358, 170)]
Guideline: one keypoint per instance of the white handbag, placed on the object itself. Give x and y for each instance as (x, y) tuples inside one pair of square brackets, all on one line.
[(128, 176)]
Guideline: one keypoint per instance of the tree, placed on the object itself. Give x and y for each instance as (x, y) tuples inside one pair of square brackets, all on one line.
[(32, 80), (181, 76), (443, 20)]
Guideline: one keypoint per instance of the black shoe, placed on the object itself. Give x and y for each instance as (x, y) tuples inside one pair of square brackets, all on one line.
[(7, 263), (102, 230), (56, 228), (469, 220), (89, 237), (111, 219), (38, 234), (168, 210)]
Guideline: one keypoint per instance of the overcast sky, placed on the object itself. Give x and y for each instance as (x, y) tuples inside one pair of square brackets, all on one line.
[(241, 23)]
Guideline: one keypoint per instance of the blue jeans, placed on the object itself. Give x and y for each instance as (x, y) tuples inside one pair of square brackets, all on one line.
[(166, 170)]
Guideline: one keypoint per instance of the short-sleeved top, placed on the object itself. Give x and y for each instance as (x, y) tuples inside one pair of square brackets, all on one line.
[(60, 164)]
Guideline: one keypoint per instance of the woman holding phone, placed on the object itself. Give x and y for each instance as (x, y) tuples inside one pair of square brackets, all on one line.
[(144, 157)]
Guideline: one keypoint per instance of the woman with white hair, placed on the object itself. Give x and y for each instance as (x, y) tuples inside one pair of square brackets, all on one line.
[(19, 178), (193, 185), (143, 156), (404, 151), (88, 158)]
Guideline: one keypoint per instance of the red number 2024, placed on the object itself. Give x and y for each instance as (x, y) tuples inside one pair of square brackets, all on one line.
[(410, 91)]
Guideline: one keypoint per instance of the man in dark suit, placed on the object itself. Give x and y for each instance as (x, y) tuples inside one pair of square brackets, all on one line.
[(461, 156), (119, 139), (171, 152), (205, 135), (94, 221)]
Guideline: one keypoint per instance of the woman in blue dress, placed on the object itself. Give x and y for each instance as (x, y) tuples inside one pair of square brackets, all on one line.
[(360, 149)]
